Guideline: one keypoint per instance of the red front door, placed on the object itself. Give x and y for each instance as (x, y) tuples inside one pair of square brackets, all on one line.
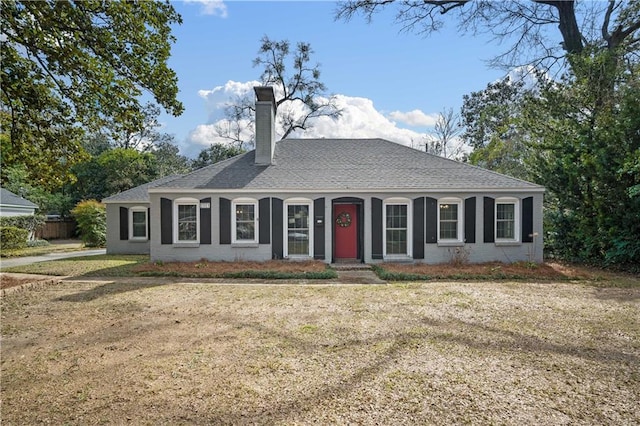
[(345, 222)]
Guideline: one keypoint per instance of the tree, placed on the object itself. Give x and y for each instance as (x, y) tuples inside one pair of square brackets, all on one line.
[(71, 66), (113, 171), (301, 90), (215, 153), (586, 152), (444, 140), (491, 120), (611, 26), (168, 160)]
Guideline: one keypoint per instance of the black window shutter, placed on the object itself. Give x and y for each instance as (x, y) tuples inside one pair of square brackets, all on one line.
[(470, 220), (225, 221), (318, 230), (149, 223), (431, 227), (376, 229), (418, 228), (124, 223), (166, 221), (205, 222), (488, 221), (264, 218), (276, 227), (527, 220)]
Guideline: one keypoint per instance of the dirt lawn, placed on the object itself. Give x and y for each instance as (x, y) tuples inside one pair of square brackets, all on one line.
[(167, 352)]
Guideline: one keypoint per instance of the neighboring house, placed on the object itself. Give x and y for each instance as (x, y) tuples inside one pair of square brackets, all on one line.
[(14, 205), (337, 200)]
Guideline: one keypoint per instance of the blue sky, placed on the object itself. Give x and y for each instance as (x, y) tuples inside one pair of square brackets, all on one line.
[(380, 72)]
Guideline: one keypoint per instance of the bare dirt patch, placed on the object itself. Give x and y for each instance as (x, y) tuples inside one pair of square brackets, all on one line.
[(429, 353)]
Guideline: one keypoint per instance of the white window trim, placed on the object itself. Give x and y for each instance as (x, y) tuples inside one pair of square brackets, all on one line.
[(186, 202), (460, 227), (243, 201), (397, 201), (146, 223), (285, 226), (516, 219)]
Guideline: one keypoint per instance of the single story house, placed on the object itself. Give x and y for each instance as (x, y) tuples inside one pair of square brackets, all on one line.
[(14, 205), (336, 200)]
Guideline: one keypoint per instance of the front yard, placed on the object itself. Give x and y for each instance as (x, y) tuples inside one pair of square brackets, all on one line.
[(173, 352)]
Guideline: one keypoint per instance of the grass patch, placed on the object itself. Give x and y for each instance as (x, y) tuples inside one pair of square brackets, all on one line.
[(102, 265), (40, 250)]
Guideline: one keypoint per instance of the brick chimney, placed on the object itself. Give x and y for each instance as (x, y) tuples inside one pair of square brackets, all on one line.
[(265, 125)]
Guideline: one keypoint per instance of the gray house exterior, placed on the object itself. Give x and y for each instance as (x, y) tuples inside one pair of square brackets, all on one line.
[(14, 205), (336, 200)]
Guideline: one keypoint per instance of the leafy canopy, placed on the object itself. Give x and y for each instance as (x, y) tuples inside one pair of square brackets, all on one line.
[(70, 66)]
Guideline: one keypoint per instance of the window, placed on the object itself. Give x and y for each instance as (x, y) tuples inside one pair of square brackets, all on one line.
[(506, 224), (449, 220), (138, 220), (397, 232), (298, 238), (245, 221), (187, 220)]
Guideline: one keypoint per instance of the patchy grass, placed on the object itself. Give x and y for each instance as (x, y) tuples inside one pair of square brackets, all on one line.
[(507, 353), (54, 247), (97, 266), (273, 269)]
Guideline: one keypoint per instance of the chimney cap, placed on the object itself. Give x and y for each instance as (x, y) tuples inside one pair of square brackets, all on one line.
[(265, 94)]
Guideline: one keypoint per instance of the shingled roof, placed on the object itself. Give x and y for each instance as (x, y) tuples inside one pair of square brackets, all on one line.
[(139, 194), (8, 198), (345, 164)]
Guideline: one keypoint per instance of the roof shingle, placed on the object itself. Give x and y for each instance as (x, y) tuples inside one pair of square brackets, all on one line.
[(346, 164)]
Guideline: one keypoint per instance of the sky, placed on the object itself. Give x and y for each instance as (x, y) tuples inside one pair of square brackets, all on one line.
[(389, 83)]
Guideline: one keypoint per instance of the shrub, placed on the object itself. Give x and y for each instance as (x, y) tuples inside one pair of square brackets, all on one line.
[(12, 237), (91, 217), (29, 222)]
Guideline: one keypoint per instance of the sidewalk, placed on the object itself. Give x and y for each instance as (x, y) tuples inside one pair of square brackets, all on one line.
[(20, 261)]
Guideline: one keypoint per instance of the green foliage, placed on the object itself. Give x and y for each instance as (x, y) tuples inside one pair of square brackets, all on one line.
[(91, 217), (586, 154), (12, 237), (30, 223), (491, 125), (69, 66), (215, 153), (113, 171)]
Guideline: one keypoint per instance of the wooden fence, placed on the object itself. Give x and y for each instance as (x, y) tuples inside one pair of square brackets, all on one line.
[(57, 230)]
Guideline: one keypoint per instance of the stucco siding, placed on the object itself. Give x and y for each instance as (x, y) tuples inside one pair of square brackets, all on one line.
[(476, 252), (116, 245)]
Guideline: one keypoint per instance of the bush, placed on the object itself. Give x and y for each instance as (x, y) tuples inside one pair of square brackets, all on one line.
[(91, 217), (12, 237), (29, 222)]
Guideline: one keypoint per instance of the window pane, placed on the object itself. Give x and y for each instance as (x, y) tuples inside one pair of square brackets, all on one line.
[(505, 211), (448, 221), (139, 220), (396, 216), (396, 241), (187, 222), (449, 230), (448, 212), (245, 222), (298, 229), (505, 221)]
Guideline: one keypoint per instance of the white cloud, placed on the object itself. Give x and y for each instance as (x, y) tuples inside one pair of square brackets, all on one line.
[(359, 119), (211, 7), (415, 118)]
